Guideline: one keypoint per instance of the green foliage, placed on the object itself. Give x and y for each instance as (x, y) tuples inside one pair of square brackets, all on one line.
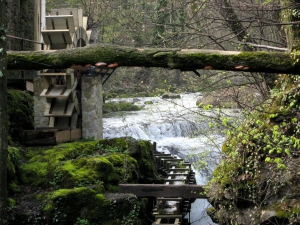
[(20, 113), (133, 216), (82, 222), (13, 169), (256, 152)]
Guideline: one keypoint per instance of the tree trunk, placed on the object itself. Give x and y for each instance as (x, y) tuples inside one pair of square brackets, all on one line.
[(291, 14), (183, 59), (3, 116)]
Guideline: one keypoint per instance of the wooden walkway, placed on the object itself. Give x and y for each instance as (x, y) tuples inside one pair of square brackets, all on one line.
[(172, 200)]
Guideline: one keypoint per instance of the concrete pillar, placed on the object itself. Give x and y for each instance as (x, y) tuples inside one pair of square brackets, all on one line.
[(91, 105)]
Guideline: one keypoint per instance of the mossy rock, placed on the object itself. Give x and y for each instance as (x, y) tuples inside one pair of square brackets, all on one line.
[(42, 162), (75, 182), (82, 163), (119, 106), (140, 150), (170, 96), (110, 95), (66, 206), (109, 169)]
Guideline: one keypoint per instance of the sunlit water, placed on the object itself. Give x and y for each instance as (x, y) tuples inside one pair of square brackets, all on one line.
[(178, 128)]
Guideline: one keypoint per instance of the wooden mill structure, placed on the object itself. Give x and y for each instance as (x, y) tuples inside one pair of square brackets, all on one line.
[(65, 29)]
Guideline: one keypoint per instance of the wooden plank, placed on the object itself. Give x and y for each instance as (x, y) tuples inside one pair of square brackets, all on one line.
[(73, 96), (29, 86), (158, 221), (56, 37), (37, 137), (159, 190), (76, 134), (179, 169), (178, 174), (167, 163), (56, 92), (60, 22), (50, 136), (161, 223), (59, 108), (71, 83), (52, 74), (169, 199), (168, 216), (159, 159), (172, 180), (181, 165), (53, 128), (63, 136), (84, 22), (77, 13), (51, 119), (47, 81), (74, 120)]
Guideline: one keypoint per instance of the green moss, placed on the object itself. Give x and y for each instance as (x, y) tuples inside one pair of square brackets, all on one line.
[(82, 175), (20, 113), (89, 170), (11, 203), (69, 193), (65, 205), (117, 107), (54, 168), (286, 209), (13, 187), (35, 174), (111, 95), (43, 162), (116, 159)]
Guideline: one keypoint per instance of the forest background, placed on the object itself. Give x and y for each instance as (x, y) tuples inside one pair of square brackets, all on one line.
[(257, 180), (214, 24)]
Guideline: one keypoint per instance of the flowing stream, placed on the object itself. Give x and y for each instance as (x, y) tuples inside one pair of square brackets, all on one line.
[(177, 128)]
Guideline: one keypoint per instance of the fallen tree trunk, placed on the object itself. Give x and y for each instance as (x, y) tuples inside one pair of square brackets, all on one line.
[(183, 59)]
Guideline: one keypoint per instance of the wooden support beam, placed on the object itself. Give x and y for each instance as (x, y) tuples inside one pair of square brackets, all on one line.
[(159, 190)]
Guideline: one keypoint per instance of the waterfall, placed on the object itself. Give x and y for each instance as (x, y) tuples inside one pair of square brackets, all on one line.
[(177, 129)]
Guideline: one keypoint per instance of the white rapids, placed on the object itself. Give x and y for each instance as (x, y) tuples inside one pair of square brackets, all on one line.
[(178, 127)]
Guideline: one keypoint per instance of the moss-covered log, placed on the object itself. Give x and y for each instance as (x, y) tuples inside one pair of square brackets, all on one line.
[(183, 59)]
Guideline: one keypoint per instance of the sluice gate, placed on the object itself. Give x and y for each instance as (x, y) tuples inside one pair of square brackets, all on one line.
[(171, 200)]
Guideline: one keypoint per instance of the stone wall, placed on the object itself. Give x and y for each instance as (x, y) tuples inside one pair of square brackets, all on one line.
[(20, 23), (20, 18), (91, 105), (39, 104)]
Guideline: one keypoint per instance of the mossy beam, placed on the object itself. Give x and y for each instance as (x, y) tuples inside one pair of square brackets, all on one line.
[(183, 59)]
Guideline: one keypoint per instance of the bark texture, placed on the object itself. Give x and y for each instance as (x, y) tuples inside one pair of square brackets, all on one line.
[(172, 58), (3, 116)]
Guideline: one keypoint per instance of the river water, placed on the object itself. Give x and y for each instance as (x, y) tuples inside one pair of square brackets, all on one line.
[(178, 127)]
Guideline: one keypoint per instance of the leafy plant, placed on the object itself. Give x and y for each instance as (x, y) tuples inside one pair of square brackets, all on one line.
[(80, 221)]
